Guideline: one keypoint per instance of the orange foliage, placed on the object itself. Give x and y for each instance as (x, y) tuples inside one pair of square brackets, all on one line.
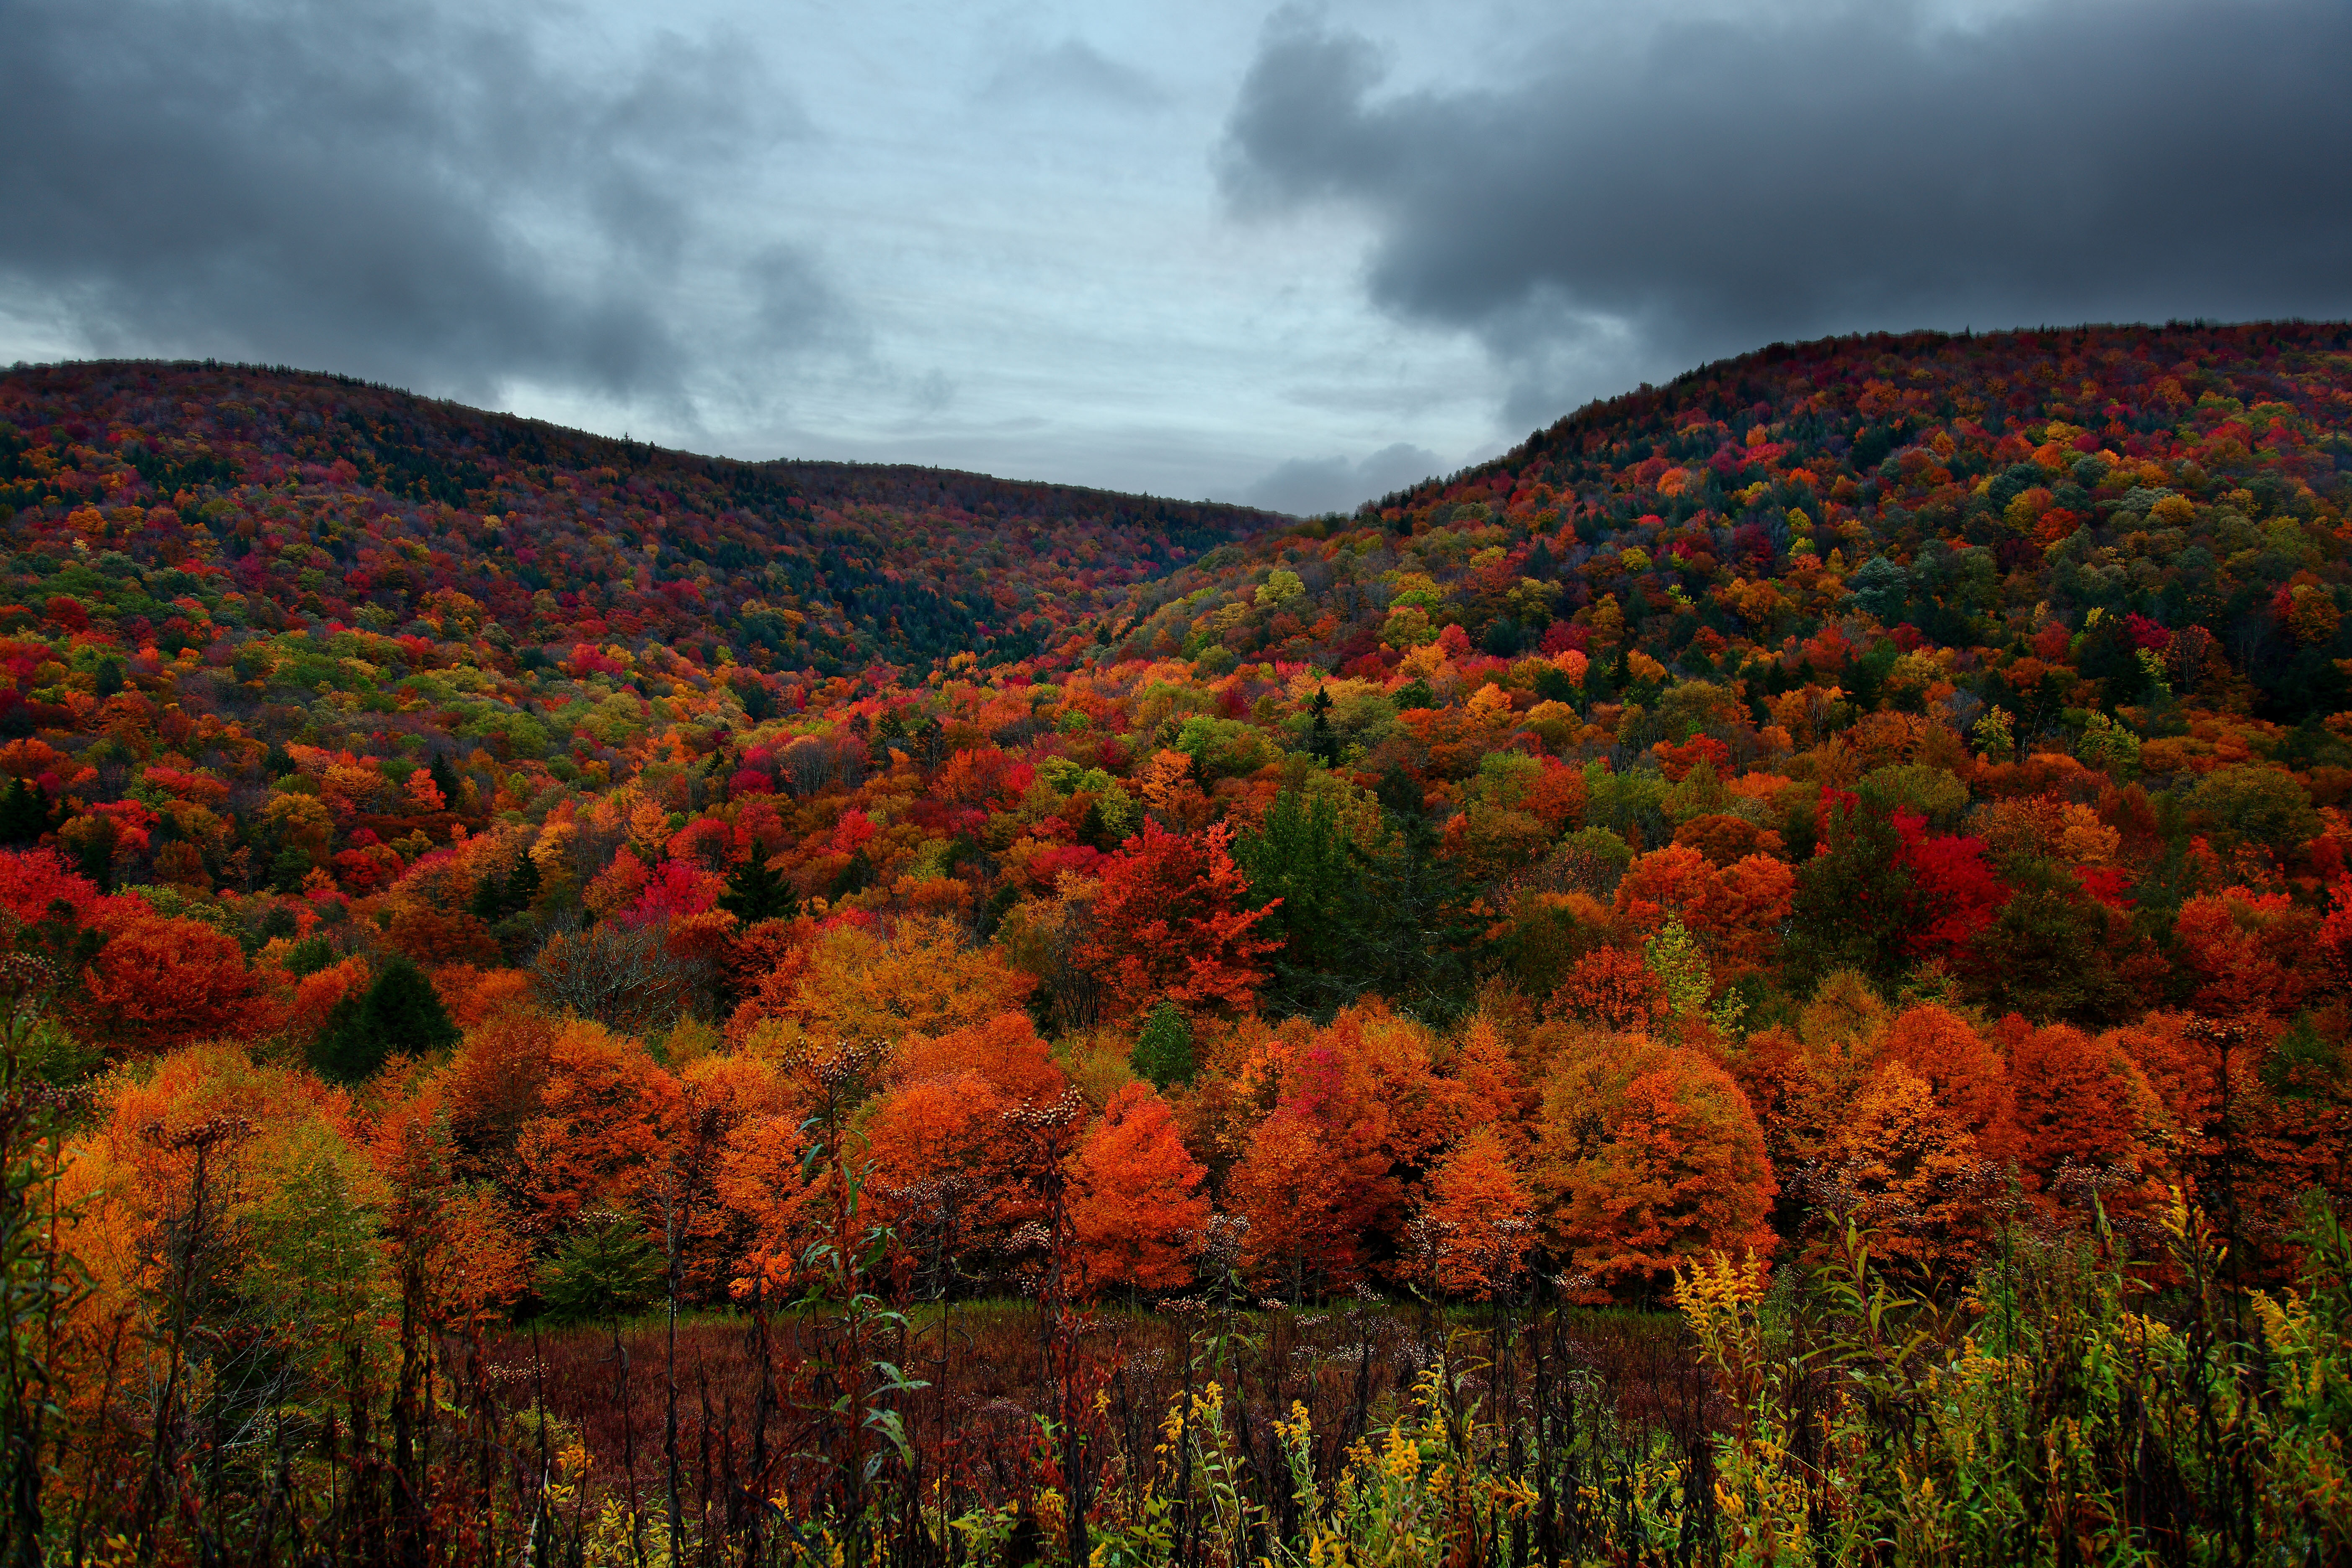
[(1647, 1156), (2246, 951), (1964, 1072), (1004, 1052), (1136, 1207), (1612, 987), (920, 975), (1908, 1170), (2080, 1101), (1736, 909), (1477, 1221)]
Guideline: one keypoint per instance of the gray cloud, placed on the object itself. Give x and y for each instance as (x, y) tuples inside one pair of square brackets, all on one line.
[(378, 188), (1615, 215), (1308, 484)]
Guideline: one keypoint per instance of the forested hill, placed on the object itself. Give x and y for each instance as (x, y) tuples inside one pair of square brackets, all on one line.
[(1875, 811), (335, 500), (1943, 483)]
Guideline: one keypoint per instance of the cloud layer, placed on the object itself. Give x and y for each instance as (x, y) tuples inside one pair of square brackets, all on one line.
[(1721, 185), (1308, 485), (379, 188)]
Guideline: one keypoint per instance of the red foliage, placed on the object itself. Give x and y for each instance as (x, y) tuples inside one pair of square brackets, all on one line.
[(1168, 923)]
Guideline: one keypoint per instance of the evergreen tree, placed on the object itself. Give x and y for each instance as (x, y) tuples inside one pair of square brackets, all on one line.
[(1163, 1052), (607, 1269), (1322, 741), (1853, 901), (497, 896), (25, 813), (489, 900), (752, 693), (1300, 855), (287, 870), (522, 884), (398, 1014), (755, 892), (445, 779)]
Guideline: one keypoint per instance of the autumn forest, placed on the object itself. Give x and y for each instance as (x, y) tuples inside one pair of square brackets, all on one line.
[(1764, 978)]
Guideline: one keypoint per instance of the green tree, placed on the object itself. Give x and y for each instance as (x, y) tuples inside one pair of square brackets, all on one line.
[(1323, 741), (2045, 954), (1673, 954), (1853, 902), (755, 892), (608, 1268), (1163, 1052), (2258, 803), (399, 1013), (1301, 855), (445, 779), (25, 813)]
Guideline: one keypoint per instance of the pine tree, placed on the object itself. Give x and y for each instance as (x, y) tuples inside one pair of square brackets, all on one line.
[(490, 897), (399, 1013), (445, 779), (25, 813), (1322, 740), (755, 892), (522, 884)]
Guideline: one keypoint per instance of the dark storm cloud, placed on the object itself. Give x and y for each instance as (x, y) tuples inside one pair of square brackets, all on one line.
[(376, 188), (1613, 216)]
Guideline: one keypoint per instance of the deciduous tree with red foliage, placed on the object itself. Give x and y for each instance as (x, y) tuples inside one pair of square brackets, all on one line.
[(161, 982), (1136, 1206), (1169, 921)]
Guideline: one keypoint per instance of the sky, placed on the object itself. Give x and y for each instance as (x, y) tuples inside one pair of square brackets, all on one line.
[(1296, 256)]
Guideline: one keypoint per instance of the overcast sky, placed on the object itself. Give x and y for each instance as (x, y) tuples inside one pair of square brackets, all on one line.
[(1295, 256)]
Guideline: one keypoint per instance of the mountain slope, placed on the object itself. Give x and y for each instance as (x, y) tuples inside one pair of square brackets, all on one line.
[(330, 499)]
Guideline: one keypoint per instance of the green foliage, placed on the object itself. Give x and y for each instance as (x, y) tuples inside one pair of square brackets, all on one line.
[(1301, 854), (1163, 1051), (1933, 793), (756, 892), (26, 813), (1853, 901), (2259, 806), (2109, 745), (2045, 954), (1222, 748), (1629, 805), (1673, 954), (399, 1015), (2007, 1434), (309, 955), (607, 1268), (39, 1282)]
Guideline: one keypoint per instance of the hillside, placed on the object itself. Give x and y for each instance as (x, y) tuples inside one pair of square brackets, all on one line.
[(1870, 814), (318, 498)]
